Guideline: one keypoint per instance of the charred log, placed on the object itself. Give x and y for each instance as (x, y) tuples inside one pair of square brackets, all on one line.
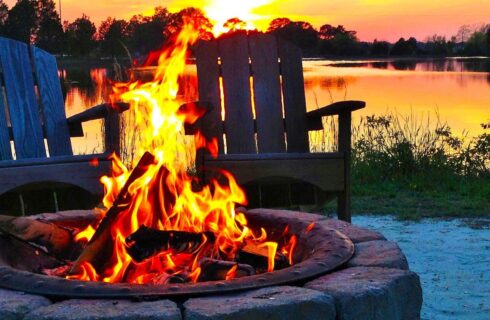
[(216, 270), (55, 239), (20, 254), (146, 243)]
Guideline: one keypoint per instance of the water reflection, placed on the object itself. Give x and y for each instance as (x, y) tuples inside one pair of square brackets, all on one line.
[(457, 89), (434, 65)]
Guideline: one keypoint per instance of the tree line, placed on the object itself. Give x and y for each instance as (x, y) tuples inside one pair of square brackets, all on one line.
[(38, 22)]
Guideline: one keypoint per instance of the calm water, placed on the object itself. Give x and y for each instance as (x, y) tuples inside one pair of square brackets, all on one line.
[(456, 91)]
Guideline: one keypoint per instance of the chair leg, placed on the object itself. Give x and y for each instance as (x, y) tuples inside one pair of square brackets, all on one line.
[(345, 136), (343, 206)]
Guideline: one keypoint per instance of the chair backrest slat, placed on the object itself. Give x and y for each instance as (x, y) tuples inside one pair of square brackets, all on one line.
[(209, 89), (294, 97), (259, 73), (267, 94), (52, 103), (21, 100), (5, 150), (239, 122)]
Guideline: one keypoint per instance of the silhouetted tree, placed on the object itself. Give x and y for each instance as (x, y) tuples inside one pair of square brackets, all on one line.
[(21, 21), (278, 23), (80, 36), (328, 32), (193, 16), (488, 39), (437, 45), (147, 33), (298, 32), (49, 35), (4, 13), (404, 47), (380, 48), (113, 36), (477, 44), (235, 24)]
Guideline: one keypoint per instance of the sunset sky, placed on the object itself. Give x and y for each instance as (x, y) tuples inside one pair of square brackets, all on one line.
[(381, 19)]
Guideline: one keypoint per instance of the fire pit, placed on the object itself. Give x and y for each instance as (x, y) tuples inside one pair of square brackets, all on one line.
[(327, 281), (319, 250)]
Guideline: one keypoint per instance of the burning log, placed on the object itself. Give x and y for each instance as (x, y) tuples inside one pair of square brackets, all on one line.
[(258, 255), (101, 244), (215, 270), (146, 243)]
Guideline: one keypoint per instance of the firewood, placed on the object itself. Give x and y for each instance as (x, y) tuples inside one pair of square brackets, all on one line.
[(55, 239), (146, 243), (254, 254), (23, 255), (101, 245), (216, 270), (166, 278)]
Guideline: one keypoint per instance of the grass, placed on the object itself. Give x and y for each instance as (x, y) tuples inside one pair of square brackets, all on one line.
[(413, 168)]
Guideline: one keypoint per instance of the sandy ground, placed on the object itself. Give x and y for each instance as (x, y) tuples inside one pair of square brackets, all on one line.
[(452, 258)]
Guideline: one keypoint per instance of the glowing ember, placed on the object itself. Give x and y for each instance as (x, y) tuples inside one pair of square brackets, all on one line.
[(163, 196)]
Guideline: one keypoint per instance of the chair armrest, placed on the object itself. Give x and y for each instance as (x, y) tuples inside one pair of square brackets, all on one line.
[(315, 117), (97, 112)]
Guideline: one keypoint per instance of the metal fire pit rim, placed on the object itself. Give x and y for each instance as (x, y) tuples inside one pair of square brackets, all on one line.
[(332, 249)]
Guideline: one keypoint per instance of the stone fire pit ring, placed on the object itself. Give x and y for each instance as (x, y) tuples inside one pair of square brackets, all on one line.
[(324, 249)]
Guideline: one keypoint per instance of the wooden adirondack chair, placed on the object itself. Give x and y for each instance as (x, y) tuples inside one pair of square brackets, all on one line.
[(32, 111), (260, 117)]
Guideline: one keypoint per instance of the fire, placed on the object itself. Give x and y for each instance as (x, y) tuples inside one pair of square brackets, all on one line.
[(161, 195)]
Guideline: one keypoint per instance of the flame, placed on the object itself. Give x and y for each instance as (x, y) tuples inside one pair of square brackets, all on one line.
[(165, 196), (86, 234)]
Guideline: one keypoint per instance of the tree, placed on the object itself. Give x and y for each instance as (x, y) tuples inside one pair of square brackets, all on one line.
[(113, 35), (298, 32), (21, 21), (80, 36), (147, 33), (338, 41), (404, 47), (328, 32), (477, 44), (278, 23), (488, 38), (49, 34), (193, 16), (4, 13), (437, 45), (380, 48), (234, 24)]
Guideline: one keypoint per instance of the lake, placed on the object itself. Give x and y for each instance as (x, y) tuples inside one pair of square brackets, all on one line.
[(453, 90)]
